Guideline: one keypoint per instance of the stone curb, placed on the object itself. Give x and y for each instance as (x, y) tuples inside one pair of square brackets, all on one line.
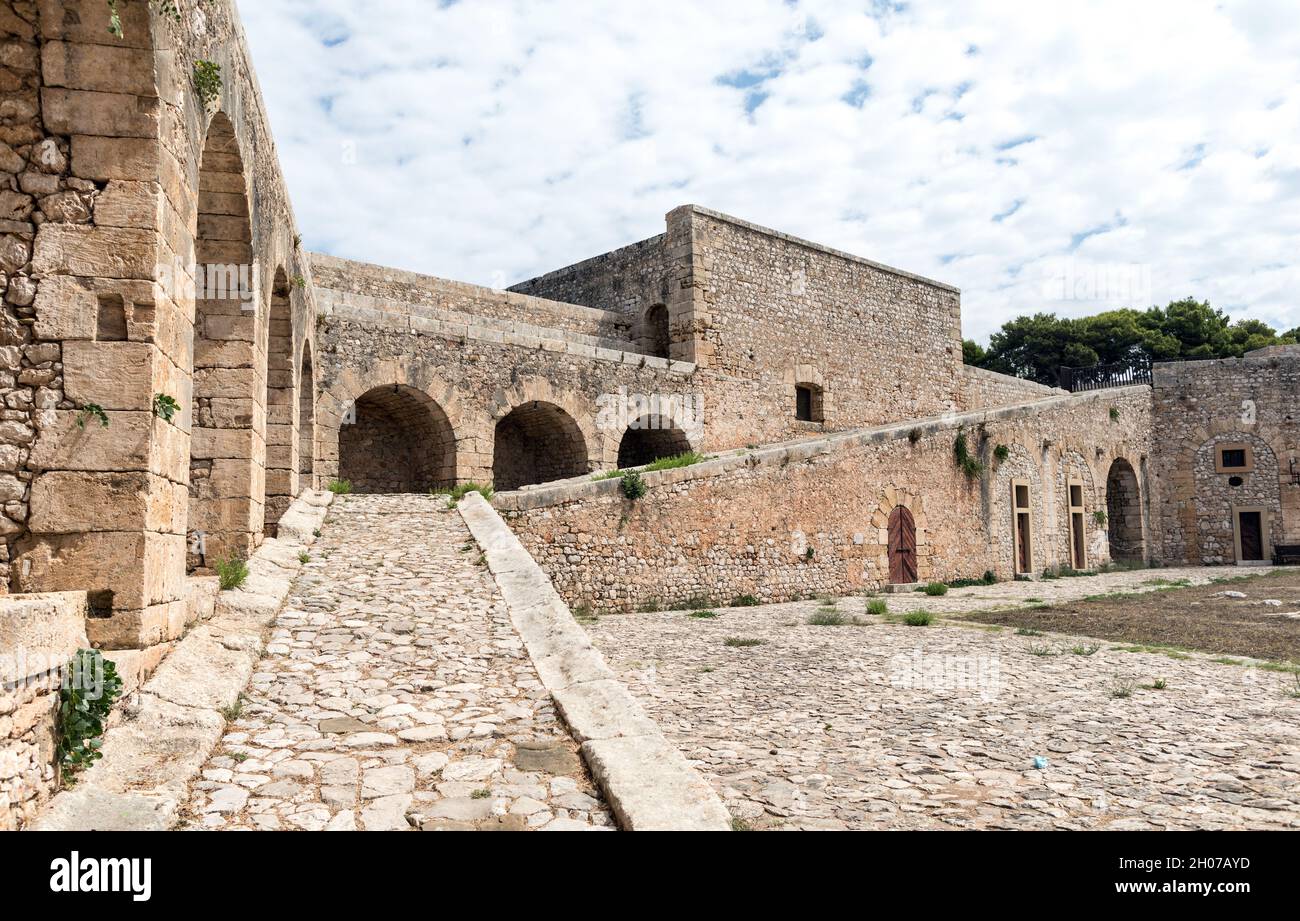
[(648, 783), (172, 724)]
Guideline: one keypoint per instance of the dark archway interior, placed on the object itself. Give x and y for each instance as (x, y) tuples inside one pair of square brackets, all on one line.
[(537, 443), (306, 423), (1124, 513), (649, 439), (655, 338), (399, 442)]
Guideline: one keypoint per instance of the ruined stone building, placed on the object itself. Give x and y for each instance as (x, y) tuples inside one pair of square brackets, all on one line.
[(176, 369)]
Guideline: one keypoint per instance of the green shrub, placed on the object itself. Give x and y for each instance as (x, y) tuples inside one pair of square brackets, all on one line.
[(919, 619), (607, 475), (936, 589), (457, 493), (744, 601), (340, 487), (90, 686), (304, 557), (829, 617), (233, 573), (1114, 414), (685, 459), (633, 486), (1001, 452), (878, 607), (737, 642), (704, 615)]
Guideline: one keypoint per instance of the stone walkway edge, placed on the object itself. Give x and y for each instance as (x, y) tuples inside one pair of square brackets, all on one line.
[(647, 782), (171, 725)]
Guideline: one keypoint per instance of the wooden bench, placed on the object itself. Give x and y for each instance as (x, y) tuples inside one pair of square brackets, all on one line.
[(1287, 554)]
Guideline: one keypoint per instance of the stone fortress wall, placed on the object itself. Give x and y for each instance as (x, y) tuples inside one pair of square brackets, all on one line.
[(1202, 408), (793, 521)]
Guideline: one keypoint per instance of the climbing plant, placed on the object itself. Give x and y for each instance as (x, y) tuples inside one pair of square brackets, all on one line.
[(90, 686), (966, 462), (207, 81)]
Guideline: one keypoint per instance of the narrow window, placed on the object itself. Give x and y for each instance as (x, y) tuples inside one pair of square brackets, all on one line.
[(1078, 529), (808, 403), (1022, 527)]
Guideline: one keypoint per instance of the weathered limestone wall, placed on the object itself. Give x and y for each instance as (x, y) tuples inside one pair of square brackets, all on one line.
[(380, 293), (982, 389), (632, 281), (810, 518), (1203, 405), (466, 365), (38, 635), (107, 135)]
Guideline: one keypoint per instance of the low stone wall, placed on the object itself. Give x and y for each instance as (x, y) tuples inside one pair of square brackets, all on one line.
[(38, 635), (384, 295), (982, 389), (811, 518)]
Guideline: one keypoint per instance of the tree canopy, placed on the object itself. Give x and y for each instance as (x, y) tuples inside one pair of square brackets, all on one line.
[(1037, 347)]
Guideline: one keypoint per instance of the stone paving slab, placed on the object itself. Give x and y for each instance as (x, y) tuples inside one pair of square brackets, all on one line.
[(395, 694), (885, 726)]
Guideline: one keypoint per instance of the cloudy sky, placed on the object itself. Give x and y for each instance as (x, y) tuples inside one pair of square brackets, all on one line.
[(1039, 155)]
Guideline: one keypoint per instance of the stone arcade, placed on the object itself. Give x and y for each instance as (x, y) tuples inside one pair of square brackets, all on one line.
[(149, 253)]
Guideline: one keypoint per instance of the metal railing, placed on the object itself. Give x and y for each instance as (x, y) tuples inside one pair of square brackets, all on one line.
[(1102, 377)]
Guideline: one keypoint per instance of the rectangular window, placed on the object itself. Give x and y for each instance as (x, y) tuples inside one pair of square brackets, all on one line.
[(1235, 458), (803, 404)]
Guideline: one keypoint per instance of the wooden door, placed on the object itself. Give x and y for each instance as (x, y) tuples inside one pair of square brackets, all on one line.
[(1252, 536), (902, 547)]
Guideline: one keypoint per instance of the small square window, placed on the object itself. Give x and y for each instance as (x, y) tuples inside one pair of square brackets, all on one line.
[(808, 403), (1234, 458)]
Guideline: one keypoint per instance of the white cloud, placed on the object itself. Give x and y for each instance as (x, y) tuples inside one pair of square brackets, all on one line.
[(982, 144)]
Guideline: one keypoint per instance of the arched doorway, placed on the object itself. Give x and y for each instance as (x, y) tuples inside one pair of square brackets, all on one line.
[(655, 338), (1124, 513), (902, 547), (537, 443), (648, 439), (306, 422), (226, 444), (398, 440), (281, 443)]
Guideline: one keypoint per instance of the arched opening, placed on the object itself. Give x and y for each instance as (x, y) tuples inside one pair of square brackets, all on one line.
[(1124, 513), (902, 547), (397, 440), (648, 439), (226, 446), (306, 423), (537, 443), (808, 403), (281, 439), (654, 338)]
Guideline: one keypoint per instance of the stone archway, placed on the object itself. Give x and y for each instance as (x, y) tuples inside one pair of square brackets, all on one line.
[(397, 440), (227, 446), (281, 438), (537, 442), (649, 439), (1124, 513), (306, 422)]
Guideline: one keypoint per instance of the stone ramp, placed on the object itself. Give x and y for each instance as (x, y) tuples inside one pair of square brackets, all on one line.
[(394, 694)]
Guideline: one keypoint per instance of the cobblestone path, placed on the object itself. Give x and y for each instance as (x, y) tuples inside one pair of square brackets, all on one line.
[(880, 725), (395, 694)]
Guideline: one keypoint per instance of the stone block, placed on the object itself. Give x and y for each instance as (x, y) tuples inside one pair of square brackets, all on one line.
[(105, 114), (65, 502), (106, 252)]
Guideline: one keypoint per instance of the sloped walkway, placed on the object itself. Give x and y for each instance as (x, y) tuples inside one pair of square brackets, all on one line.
[(395, 694)]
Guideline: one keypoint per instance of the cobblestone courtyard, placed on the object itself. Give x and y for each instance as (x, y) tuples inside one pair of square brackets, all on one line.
[(886, 726), (395, 693)]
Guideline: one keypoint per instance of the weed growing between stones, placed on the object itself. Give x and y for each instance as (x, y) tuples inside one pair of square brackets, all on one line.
[(704, 615), (1081, 650), (340, 487), (878, 607), (92, 411), (165, 407), (90, 686), (966, 462), (232, 573), (744, 601), (304, 557), (454, 496), (1123, 691), (234, 711), (738, 642), (685, 459), (936, 589), (919, 619), (1028, 631), (633, 486), (207, 81)]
